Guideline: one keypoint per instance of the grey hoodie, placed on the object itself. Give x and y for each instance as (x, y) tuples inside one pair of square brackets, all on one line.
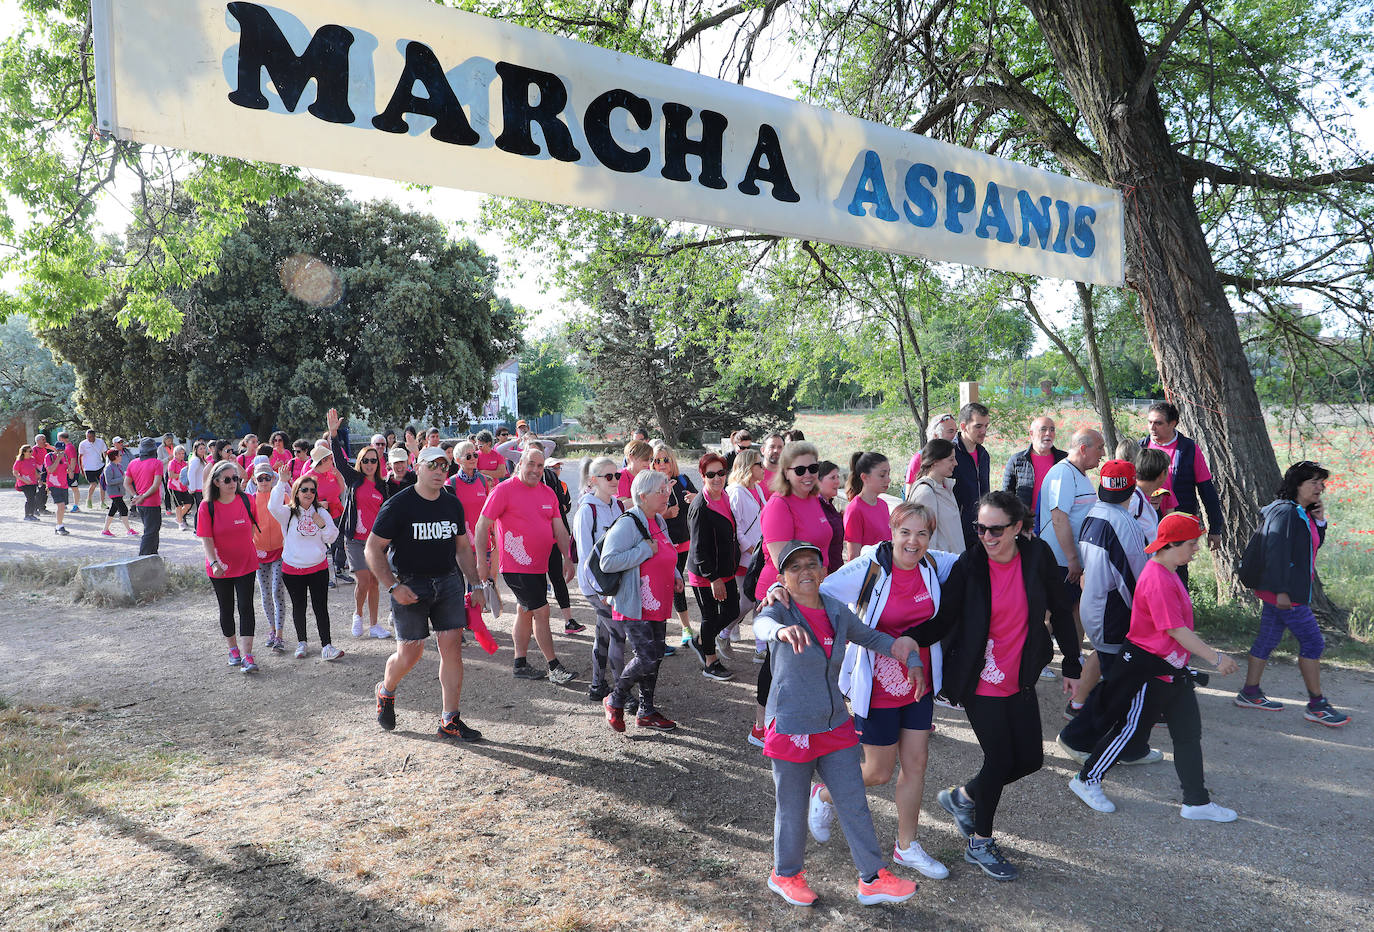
[(624, 549), (590, 520)]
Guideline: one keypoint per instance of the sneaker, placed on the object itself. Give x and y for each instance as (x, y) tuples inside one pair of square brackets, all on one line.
[(330, 652), (300, 650), (725, 648), (687, 636), (133, 533), (655, 720), (989, 857), (756, 736), (61, 530), (341, 576), (699, 650), (1048, 674), (1091, 793), (386, 709), (105, 533), (614, 717), (716, 671), (333, 584), (792, 889), (357, 625), (454, 728), (378, 632), (1208, 813), (526, 672), (962, 811), (1258, 701), (1071, 711), (561, 674), (1323, 714), (597, 693), (945, 702), (820, 816), (915, 857), (632, 705), (887, 887), (249, 665), (74, 510), (36, 518), (235, 658), (760, 656), (669, 650), (276, 644), (1074, 753), (1152, 756), (572, 627)]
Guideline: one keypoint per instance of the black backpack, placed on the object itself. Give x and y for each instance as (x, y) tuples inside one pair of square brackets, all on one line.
[(606, 582)]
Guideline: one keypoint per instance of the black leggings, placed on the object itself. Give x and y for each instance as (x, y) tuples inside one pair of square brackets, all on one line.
[(117, 507), (680, 598), (716, 616), (560, 585), (1008, 731), (30, 499), (228, 590), (316, 584)]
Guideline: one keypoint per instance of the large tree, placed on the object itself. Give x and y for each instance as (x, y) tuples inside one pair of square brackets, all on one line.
[(318, 302), (32, 382)]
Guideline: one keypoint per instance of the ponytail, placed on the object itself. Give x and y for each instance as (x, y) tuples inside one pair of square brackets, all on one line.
[(860, 464)]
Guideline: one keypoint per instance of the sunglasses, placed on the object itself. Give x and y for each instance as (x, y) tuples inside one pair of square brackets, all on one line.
[(469, 456), (814, 468), (713, 474), (370, 459), (307, 488), (611, 477), (263, 479), (441, 465), (991, 530), (227, 480), (662, 462)]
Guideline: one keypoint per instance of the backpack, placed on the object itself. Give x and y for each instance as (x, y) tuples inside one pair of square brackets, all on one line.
[(608, 583), (1251, 570), (184, 477), (751, 575)]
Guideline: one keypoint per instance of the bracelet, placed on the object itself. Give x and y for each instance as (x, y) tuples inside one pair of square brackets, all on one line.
[(1220, 655)]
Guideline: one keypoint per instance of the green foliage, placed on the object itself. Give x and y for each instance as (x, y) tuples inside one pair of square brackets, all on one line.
[(417, 331), (31, 380), (548, 380)]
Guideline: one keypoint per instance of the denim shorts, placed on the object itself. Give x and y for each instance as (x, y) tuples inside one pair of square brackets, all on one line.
[(439, 606)]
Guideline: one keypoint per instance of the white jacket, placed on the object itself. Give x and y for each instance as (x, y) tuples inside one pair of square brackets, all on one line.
[(305, 543), (856, 673), (748, 524)]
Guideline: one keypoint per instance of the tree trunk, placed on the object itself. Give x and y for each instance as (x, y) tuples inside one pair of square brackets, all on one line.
[(1188, 318), (1104, 400)]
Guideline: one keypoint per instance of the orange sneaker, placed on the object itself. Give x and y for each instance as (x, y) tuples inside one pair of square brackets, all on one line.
[(795, 891), (887, 887)]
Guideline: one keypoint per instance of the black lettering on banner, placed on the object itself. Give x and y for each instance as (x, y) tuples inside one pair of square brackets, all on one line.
[(597, 125), (776, 172), (325, 59), (518, 113), (450, 123), (677, 145)]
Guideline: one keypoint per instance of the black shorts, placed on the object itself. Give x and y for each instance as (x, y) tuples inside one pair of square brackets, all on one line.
[(181, 498), (531, 590), (92, 476), (883, 727), (439, 606), (58, 495)]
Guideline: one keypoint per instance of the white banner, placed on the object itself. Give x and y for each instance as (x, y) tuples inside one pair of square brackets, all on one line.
[(414, 91)]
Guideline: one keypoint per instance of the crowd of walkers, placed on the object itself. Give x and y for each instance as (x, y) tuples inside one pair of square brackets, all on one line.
[(868, 609)]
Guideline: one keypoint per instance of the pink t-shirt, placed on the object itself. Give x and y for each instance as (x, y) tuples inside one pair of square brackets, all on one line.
[(174, 468), (245, 460), (233, 535), (720, 506), (866, 524), (328, 491), (57, 465), (1041, 465), (1001, 672), (1160, 602), (622, 488), (913, 471), (524, 518), (787, 517), (277, 457), (25, 472), (657, 576), (369, 501), (142, 473), (801, 749), (473, 495), (908, 603), (1164, 500), (299, 465), (1200, 471), (766, 486), (491, 461)]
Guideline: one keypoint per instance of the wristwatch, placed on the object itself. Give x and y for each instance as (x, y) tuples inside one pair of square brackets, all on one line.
[(392, 586)]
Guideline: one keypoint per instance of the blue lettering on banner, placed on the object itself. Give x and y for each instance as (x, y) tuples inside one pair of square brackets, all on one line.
[(872, 189)]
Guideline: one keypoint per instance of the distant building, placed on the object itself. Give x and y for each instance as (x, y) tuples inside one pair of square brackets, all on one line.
[(503, 391)]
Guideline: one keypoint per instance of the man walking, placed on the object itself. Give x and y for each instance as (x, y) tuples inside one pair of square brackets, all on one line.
[(1025, 471), (92, 454), (143, 487), (425, 533), (972, 466), (1189, 477)]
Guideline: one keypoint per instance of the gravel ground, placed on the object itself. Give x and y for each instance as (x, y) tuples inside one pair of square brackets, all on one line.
[(274, 801)]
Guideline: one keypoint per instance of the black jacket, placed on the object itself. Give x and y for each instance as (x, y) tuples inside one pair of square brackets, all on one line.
[(1279, 556), (714, 552), (1019, 474), (966, 615), (348, 521)]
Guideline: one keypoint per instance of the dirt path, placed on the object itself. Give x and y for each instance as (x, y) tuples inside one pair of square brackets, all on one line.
[(274, 802)]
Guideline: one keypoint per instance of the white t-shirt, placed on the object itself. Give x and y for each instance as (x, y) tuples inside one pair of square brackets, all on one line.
[(1071, 492), (92, 453), (1144, 513)]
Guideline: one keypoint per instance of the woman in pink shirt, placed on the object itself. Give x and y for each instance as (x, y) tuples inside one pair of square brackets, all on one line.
[(224, 525), (866, 515), (181, 493), (25, 471), (281, 450)]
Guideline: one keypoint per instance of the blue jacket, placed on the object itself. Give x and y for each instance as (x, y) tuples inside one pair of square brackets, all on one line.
[(1279, 556)]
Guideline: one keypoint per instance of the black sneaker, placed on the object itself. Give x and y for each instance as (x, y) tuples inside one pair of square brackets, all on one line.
[(341, 576), (561, 674), (526, 672), (989, 857), (597, 693), (454, 728), (695, 645), (572, 627), (386, 709), (716, 671), (963, 812)]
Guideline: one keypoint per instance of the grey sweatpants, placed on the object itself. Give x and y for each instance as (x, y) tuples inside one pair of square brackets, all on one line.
[(842, 775), (608, 646)]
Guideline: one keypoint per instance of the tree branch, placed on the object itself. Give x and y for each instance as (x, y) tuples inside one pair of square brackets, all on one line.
[(1147, 74), (1196, 169)]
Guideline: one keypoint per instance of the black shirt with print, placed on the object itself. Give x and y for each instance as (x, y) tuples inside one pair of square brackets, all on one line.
[(421, 532)]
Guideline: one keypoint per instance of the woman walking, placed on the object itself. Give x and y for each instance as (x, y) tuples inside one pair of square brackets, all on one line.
[(224, 525), (364, 492), (995, 602), (682, 493), (597, 510), (179, 485), (267, 538), (113, 477), (307, 532), (746, 506), (828, 482), (712, 559), (934, 488), (25, 472)]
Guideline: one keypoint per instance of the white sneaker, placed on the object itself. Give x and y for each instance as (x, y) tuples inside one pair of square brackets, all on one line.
[(300, 650), (724, 647), (915, 857), (1091, 793), (1208, 813), (1152, 756), (357, 625), (330, 652), (377, 631), (820, 816), (1047, 674)]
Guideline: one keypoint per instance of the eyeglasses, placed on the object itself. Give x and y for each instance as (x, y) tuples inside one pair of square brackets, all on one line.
[(713, 474), (263, 479), (441, 465), (991, 530), (803, 470), (307, 488), (610, 477), (227, 480)]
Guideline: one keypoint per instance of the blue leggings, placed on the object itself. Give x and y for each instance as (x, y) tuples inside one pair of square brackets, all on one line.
[(1298, 619)]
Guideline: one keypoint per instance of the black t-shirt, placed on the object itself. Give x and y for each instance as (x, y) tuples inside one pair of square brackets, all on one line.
[(421, 532)]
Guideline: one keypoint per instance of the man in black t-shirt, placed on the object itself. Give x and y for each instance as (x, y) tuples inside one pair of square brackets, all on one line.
[(426, 534)]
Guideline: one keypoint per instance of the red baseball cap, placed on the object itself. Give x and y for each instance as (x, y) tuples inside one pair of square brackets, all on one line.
[(1117, 481), (1175, 529)]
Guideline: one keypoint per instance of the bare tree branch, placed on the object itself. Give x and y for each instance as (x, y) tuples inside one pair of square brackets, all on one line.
[(1147, 74), (1196, 169)]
